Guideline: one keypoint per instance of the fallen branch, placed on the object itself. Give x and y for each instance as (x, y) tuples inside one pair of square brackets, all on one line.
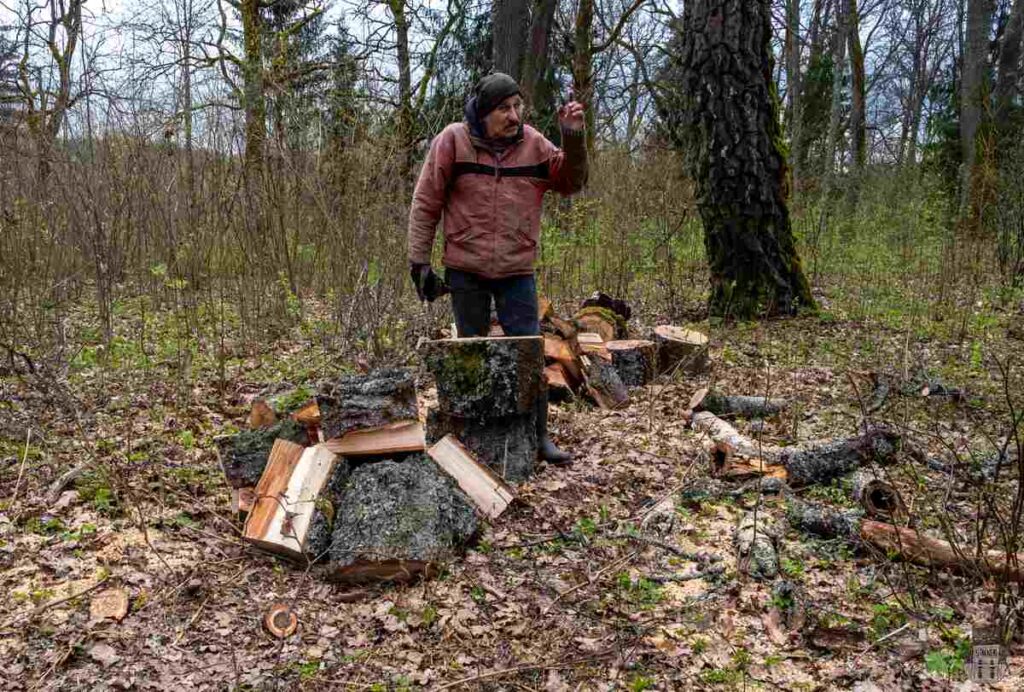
[(66, 479), (741, 406), (677, 577)]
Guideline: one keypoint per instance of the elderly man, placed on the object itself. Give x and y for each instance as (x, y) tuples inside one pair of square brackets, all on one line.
[(487, 176)]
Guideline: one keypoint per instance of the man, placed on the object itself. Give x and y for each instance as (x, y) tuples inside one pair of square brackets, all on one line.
[(487, 177)]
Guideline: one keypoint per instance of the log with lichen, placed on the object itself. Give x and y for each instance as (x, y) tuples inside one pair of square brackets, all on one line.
[(756, 540), (603, 383), (505, 444), (486, 377), (740, 406), (905, 543), (372, 400), (243, 456), (634, 360)]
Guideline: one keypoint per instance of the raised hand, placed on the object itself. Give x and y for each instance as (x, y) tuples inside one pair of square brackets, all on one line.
[(570, 116)]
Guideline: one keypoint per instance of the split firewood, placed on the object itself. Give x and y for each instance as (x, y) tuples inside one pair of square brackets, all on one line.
[(486, 377), (566, 353), (755, 539), (372, 400), (261, 415), (909, 544), (505, 444), (559, 327), (397, 522), (739, 406), (558, 382), (489, 493), (307, 414), (593, 345), (603, 383), (280, 621), (602, 321), (545, 310), (877, 496), (683, 348), (286, 497), (244, 456), (400, 437), (634, 360)]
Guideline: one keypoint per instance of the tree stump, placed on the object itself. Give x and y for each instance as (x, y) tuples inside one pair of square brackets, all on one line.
[(373, 400), (244, 456), (486, 377), (603, 383), (634, 360), (681, 348), (398, 521), (505, 444)]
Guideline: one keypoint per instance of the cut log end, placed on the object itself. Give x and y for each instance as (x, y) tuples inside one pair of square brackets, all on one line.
[(681, 349), (280, 621), (634, 360)]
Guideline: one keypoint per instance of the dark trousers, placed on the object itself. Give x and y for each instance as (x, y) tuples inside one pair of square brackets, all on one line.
[(515, 299)]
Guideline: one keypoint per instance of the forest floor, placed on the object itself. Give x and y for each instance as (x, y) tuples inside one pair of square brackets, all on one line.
[(557, 594)]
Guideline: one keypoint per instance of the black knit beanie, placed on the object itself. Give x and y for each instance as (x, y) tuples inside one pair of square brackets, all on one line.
[(492, 90)]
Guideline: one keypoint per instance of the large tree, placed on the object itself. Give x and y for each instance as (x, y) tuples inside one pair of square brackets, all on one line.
[(728, 127)]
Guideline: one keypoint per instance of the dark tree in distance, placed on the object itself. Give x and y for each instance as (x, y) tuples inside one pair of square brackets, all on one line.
[(728, 127)]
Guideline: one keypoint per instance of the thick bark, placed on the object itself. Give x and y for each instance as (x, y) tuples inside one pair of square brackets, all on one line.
[(684, 349), (583, 64), (254, 99), (974, 89), (405, 114), (604, 385), (396, 521), (359, 402), (741, 406), (822, 461), (505, 444), (730, 133), (244, 456), (634, 360), (535, 62), (511, 20), (755, 539)]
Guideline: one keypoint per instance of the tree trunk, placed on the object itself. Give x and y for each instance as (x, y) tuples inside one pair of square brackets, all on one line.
[(405, 116), (973, 96), (793, 85), (858, 126), (1009, 64), (535, 63), (583, 65), (730, 132), (254, 100), (511, 30)]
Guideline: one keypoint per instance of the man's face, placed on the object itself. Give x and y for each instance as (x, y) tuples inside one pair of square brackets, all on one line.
[(504, 120)]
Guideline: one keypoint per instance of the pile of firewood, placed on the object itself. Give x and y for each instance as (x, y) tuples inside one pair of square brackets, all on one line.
[(592, 353)]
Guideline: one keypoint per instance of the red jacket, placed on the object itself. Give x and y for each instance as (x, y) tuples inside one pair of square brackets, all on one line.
[(491, 202)]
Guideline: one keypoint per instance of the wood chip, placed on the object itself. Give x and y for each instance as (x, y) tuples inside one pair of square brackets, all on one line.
[(110, 604)]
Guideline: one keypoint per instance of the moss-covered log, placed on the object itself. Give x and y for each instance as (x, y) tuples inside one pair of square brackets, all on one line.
[(356, 402), (599, 320), (506, 444), (398, 521), (486, 377), (741, 406), (723, 111), (244, 456)]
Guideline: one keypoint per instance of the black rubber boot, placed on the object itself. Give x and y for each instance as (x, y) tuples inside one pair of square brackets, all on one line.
[(546, 449)]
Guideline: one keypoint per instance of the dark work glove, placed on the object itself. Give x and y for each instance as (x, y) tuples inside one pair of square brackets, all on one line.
[(429, 286)]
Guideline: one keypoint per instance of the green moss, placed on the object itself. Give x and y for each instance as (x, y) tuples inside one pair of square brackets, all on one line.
[(462, 369), (607, 315)]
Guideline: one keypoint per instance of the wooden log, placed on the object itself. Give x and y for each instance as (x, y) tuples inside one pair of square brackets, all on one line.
[(505, 444), (489, 493), (286, 497), (601, 321), (634, 360), (280, 621), (680, 348), (398, 521), (244, 456), (734, 455), (821, 462), (484, 377), (372, 400), (603, 383), (741, 406), (559, 327), (395, 438), (909, 544), (243, 500), (566, 353), (755, 539), (876, 496)]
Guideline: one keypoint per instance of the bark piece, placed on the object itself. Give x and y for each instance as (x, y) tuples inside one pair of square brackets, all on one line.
[(308, 414), (280, 621), (244, 456), (373, 400), (261, 415), (634, 360), (680, 348), (286, 498), (755, 540), (397, 521), (110, 604), (741, 406), (505, 444), (603, 383), (487, 491), (820, 462), (394, 438), (601, 321), (484, 377), (876, 496)]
